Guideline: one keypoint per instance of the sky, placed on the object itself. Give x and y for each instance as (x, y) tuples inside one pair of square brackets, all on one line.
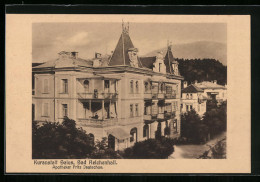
[(48, 39)]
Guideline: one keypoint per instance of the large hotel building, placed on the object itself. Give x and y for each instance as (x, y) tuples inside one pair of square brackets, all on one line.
[(123, 97)]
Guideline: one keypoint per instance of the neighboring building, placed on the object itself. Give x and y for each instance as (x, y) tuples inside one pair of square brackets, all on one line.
[(212, 90), (124, 97), (193, 98)]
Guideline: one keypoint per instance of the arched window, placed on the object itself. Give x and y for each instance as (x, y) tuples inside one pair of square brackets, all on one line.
[(146, 131), (133, 133), (86, 85), (131, 86), (146, 86)]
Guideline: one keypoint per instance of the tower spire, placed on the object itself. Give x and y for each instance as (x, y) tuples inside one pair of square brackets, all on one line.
[(125, 27)]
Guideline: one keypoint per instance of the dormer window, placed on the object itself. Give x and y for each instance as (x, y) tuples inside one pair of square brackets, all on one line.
[(132, 53)]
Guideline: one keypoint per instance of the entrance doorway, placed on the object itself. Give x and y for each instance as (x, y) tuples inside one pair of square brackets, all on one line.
[(111, 142)]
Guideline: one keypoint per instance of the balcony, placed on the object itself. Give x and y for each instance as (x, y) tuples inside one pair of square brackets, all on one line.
[(160, 95), (150, 117), (170, 96), (97, 96), (160, 116), (97, 123), (148, 96), (169, 115)]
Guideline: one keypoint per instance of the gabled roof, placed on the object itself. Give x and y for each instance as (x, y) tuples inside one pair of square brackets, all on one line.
[(120, 54), (147, 62), (66, 62), (209, 85), (168, 60), (191, 89)]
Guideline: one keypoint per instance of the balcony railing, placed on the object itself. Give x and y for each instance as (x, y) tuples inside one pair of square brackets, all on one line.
[(147, 95), (97, 122), (97, 95), (150, 116), (160, 116), (170, 96)]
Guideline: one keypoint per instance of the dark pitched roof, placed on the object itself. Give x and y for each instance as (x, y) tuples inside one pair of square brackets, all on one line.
[(147, 62), (168, 60), (120, 54), (191, 89)]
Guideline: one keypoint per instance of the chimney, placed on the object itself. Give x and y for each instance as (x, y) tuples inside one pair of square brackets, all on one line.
[(98, 55), (215, 81), (185, 84), (74, 55), (97, 60), (196, 81)]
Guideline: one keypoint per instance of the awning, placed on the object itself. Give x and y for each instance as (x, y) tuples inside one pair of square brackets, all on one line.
[(119, 133)]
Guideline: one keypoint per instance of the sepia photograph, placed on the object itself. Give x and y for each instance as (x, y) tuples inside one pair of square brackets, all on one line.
[(121, 93), (129, 90)]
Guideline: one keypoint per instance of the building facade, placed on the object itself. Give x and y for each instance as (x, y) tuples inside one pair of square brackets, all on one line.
[(193, 98), (123, 97)]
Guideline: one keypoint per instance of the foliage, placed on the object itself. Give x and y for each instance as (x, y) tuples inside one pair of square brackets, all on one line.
[(193, 128), (53, 140), (150, 149), (216, 152), (202, 70), (102, 151), (216, 119)]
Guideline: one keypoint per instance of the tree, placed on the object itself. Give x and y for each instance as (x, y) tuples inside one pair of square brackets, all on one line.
[(216, 119), (193, 128), (53, 140), (150, 149), (202, 70)]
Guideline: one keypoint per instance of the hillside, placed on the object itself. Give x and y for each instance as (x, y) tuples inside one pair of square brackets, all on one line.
[(202, 70), (198, 50)]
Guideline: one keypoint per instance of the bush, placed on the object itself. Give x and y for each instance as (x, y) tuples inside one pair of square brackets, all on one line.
[(150, 149)]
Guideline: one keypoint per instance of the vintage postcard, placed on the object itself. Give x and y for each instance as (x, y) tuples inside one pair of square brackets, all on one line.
[(128, 94)]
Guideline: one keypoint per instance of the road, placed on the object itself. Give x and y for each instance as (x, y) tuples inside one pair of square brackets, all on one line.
[(194, 151)]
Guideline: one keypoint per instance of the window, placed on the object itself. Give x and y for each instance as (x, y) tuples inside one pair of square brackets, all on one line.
[(146, 86), (106, 84), (133, 134), (137, 86), (191, 96), (64, 110), (86, 85), (187, 107), (136, 110), (45, 109), (64, 85), (161, 87), (45, 86), (160, 64), (175, 125), (190, 107), (187, 96), (146, 131), (131, 86), (131, 110)]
